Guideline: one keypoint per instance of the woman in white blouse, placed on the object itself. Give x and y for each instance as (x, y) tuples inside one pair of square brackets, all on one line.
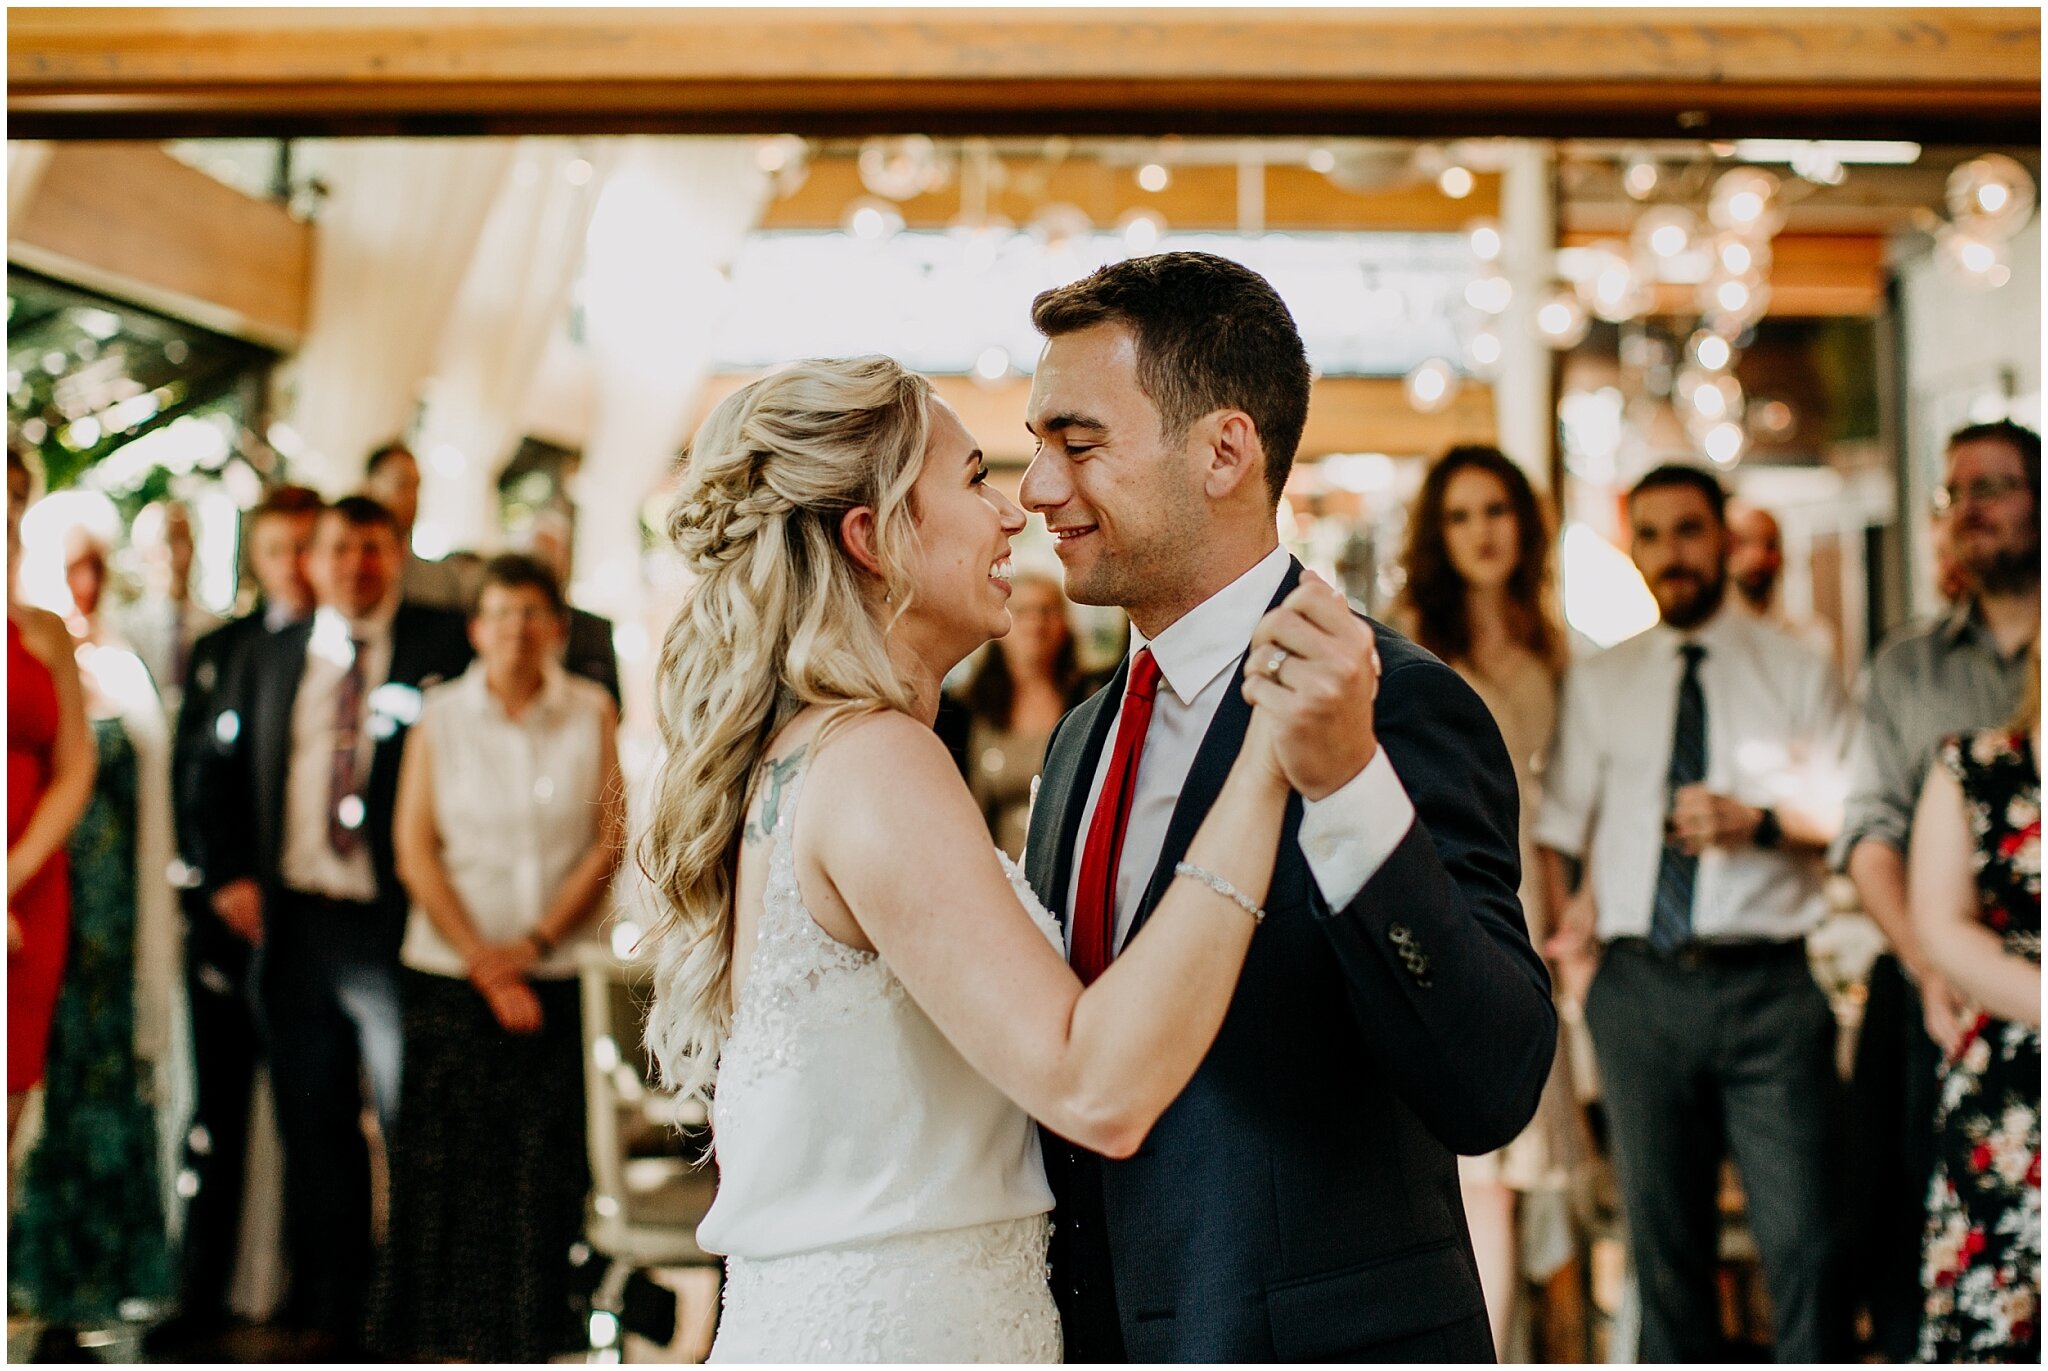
[(509, 825)]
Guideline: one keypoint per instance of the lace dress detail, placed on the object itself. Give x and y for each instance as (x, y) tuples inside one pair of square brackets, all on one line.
[(878, 1199)]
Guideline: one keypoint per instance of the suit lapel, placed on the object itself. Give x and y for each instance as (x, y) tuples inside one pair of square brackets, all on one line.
[(1063, 792), (1211, 767), (278, 688)]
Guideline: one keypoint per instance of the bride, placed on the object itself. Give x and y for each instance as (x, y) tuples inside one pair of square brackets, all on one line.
[(877, 997)]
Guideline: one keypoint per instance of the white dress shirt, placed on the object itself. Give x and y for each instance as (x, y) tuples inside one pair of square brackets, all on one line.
[(516, 807), (1777, 724), (309, 862), (1346, 836)]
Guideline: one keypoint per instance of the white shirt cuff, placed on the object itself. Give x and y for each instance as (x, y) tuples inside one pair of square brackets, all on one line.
[(1348, 835)]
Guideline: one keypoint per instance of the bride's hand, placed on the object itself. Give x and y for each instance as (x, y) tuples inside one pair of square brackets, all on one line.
[(1262, 744)]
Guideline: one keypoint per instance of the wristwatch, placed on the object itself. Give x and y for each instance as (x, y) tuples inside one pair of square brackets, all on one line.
[(1768, 831)]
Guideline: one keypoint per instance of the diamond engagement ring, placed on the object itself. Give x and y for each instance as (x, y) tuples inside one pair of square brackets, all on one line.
[(1276, 661)]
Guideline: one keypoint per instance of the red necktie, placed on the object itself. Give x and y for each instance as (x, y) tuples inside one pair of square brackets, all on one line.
[(1095, 899)]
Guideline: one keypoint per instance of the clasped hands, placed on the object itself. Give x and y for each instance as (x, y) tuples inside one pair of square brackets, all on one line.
[(498, 971), (1702, 818), (1312, 677)]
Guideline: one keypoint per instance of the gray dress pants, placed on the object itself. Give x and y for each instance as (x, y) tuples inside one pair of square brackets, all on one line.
[(1701, 1055)]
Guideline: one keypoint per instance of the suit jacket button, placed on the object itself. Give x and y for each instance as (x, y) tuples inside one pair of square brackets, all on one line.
[(1399, 933)]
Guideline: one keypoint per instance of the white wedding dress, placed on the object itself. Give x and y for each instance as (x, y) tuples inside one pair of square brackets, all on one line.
[(878, 1200)]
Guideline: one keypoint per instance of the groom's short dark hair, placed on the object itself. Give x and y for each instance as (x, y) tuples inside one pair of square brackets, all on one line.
[(1211, 335)]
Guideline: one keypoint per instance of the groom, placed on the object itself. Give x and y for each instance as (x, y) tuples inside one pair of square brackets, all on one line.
[(1299, 1201)]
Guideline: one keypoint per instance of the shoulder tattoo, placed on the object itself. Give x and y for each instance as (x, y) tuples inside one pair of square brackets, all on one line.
[(757, 831)]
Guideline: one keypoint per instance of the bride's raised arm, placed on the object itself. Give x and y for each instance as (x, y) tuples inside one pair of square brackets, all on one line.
[(908, 855)]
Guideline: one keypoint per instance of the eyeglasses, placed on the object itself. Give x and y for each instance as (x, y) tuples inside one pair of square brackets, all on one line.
[(1981, 490)]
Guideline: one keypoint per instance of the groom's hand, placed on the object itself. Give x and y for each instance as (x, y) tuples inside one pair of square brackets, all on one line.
[(1314, 668)]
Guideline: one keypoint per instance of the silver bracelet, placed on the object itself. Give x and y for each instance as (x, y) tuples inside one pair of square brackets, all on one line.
[(1221, 887)]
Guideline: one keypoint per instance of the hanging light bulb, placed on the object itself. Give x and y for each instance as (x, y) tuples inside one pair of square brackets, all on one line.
[(1991, 197), (1142, 229), (1562, 319), (872, 220), (1735, 255), (992, 365), (1484, 236), (1773, 419), (1456, 181), (1716, 398), (1154, 177), (1665, 232), (1971, 258), (1640, 176), (1744, 200), (1483, 348), (902, 167), (780, 153), (1723, 443), (1490, 294), (1710, 350), (1731, 303), (1432, 386), (1612, 289)]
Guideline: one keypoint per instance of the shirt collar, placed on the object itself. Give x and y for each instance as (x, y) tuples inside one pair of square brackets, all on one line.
[(1964, 621), (370, 628), (554, 691), (1207, 640), (1715, 634)]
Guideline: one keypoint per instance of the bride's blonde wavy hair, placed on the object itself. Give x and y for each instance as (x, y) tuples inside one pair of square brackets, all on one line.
[(781, 618)]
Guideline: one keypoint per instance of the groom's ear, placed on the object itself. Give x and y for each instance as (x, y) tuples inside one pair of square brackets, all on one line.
[(857, 537), (1236, 456)]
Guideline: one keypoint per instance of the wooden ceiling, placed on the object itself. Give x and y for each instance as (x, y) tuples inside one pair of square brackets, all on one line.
[(1935, 75)]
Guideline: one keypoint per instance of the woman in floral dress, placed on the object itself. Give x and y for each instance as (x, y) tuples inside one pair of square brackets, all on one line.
[(1975, 876)]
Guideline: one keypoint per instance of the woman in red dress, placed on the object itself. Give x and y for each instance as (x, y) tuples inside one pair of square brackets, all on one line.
[(50, 765)]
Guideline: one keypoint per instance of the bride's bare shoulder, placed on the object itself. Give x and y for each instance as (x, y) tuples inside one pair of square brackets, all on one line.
[(883, 756)]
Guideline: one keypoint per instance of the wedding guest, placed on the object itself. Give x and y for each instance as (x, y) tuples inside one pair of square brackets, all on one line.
[(85, 581), (226, 1028), (391, 477), (300, 862), (998, 724), (1479, 594), (50, 768), (509, 824), (164, 622), (1703, 881), (88, 1241), (1756, 564), (1975, 894), (1962, 672)]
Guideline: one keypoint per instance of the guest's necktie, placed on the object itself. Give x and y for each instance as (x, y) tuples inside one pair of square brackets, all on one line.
[(1095, 899), (1678, 871), (344, 802)]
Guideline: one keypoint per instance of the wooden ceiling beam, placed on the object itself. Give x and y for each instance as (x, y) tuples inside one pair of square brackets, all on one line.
[(1932, 74), (1197, 198)]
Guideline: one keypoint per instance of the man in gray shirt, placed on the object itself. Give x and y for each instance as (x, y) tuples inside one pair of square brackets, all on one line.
[(1964, 671)]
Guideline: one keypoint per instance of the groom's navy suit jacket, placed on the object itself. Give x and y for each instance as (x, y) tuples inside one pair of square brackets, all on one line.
[(1300, 1201)]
